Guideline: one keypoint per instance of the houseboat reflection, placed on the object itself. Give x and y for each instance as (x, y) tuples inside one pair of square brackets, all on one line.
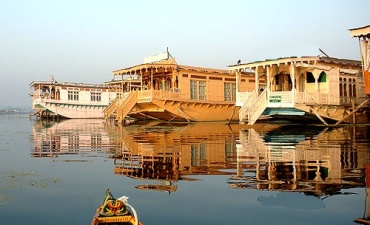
[(165, 154), (315, 161), (67, 137)]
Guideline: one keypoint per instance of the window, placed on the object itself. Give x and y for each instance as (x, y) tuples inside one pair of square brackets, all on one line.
[(229, 91), (198, 154), (73, 94), (198, 90), (167, 84), (230, 151), (193, 89), (347, 87), (322, 77), (96, 141), (95, 95), (354, 90), (202, 90), (73, 142), (310, 78)]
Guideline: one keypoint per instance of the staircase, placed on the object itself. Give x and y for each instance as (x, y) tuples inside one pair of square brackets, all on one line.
[(253, 107), (112, 107), (125, 107)]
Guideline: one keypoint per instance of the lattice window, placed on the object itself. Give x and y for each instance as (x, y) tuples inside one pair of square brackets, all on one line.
[(229, 91), (193, 89), (202, 90)]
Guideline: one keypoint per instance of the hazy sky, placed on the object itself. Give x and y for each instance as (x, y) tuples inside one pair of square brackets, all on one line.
[(84, 41)]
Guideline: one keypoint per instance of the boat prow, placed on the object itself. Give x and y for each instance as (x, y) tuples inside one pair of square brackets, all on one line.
[(115, 211)]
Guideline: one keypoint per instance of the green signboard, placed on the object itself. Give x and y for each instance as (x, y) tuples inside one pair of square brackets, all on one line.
[(275, 99)]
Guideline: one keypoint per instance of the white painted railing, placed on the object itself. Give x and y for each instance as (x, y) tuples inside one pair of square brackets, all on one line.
[(313, 98), (258, 107), (243, 111), (253, 107)]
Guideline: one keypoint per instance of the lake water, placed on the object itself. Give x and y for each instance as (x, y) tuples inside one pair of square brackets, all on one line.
[(204, 173)]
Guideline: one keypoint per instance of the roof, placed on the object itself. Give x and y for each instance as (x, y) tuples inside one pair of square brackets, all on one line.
[(71, 84), (165, 64), (293, 59), (360, 31)]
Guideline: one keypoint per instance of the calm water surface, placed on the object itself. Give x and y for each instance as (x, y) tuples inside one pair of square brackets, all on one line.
[(205, 173)]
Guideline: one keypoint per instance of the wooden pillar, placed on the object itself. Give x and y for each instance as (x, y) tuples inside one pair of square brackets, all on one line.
[(292, 77), (353, 108), (141, 80), (272, 78), (129, 84), (256, 77), (314, 73), (366, 53), (173, 80), (268, 80), (237, 77), (151, 79), (316, 76)]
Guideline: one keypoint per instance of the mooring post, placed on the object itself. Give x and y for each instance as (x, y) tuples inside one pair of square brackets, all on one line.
[(318, 116), (354, 114)]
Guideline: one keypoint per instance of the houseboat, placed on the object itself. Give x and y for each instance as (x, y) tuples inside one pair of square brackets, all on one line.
[(70, 100), (363, 35), (161, 89), (323, 89)]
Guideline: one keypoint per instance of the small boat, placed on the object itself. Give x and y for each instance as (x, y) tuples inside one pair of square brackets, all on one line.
[(115, 211)]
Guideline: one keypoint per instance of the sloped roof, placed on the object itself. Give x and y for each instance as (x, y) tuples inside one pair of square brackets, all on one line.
[(360, 31)]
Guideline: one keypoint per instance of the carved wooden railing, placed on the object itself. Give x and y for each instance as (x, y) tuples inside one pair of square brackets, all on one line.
[(111, 109), (126, 106)]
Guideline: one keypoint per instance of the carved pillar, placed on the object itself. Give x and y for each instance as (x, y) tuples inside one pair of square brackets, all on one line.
[(151, 79), (237, 77), (268, 80), (256, 77), (292, 77)]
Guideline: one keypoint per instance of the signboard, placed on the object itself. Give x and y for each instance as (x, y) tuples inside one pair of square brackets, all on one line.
[(156, 58), (275, 99)]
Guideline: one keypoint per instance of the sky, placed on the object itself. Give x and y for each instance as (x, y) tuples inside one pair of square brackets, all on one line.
[(84, 41)]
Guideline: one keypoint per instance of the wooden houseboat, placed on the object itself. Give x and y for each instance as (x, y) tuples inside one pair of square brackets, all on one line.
[(70, 100), (324, 89), (363, 35), (161, 89)]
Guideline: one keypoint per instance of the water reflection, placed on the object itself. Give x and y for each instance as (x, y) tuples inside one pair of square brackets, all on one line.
[(295, 167), (165, 153), (313, 160), (69, 137)]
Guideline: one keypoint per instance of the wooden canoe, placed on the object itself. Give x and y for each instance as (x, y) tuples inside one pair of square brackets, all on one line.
[(115, 211)]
